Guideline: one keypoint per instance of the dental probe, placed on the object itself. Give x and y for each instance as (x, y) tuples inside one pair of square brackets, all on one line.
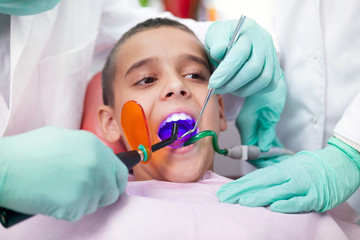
[(234, 37)]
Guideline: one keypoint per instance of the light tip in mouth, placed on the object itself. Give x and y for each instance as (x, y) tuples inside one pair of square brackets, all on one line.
[(185, 123)]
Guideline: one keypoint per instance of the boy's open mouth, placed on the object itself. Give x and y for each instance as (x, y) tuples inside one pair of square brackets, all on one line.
[(185, 123)]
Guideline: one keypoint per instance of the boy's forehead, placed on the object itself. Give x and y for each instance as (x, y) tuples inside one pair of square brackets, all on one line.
[(161, 38), (163, 43)]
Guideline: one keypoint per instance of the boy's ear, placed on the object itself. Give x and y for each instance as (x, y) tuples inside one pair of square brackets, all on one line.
[(108, 124), (223, 123)]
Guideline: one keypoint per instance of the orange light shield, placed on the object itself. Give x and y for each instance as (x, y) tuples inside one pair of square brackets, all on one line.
[(134, 125)]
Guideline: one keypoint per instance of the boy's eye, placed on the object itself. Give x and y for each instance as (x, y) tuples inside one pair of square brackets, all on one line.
[(197, 76), (146, 80), (193, 76)]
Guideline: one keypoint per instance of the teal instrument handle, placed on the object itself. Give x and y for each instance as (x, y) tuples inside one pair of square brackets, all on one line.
[(240, 152), (207, 133)]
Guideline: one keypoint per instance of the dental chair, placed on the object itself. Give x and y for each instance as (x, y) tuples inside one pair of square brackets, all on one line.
[(90, 122)]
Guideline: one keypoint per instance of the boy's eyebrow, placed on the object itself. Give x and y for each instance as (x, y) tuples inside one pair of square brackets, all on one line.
[(140, 63), (195, 59)]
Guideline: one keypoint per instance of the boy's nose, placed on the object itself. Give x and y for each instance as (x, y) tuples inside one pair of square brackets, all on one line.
[(172, 93), (176, 87)]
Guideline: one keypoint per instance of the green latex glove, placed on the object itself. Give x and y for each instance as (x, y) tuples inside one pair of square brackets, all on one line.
[(258, 117), (308, 181), (26, 7), (250, 66), (58, 172)]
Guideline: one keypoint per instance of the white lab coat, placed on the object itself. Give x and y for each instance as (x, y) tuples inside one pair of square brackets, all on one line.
[(319, 49), (318, 46), (54, 54)]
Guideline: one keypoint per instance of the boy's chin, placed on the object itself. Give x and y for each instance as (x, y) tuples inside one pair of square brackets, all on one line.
[(184, 173), (180, 177)]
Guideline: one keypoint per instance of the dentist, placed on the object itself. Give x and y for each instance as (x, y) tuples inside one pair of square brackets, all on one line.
[(319, 55)]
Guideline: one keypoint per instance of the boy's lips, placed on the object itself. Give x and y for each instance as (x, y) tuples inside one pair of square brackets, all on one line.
[(185, 122)]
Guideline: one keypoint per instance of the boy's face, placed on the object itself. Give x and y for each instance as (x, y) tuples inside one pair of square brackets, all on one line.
[(166, 71)]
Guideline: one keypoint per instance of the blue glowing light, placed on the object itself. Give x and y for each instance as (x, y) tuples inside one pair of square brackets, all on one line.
[(184, 126)]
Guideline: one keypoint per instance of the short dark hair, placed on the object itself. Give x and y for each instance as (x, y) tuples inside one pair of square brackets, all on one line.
[(109, 71)]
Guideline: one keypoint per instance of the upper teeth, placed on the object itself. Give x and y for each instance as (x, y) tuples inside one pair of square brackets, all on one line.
[(176, 117)]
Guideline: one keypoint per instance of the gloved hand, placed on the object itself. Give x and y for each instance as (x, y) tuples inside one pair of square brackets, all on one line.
[(58, 172), (250, 66), (257, 120), (308, 181), (25, 7)]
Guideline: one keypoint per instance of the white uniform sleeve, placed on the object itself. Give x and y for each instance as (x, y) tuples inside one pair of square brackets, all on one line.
[(348, 128), (199, 28), (118, 16), (233, 106)]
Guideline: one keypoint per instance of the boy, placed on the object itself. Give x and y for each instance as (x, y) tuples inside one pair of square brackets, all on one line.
[(162, 65)]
